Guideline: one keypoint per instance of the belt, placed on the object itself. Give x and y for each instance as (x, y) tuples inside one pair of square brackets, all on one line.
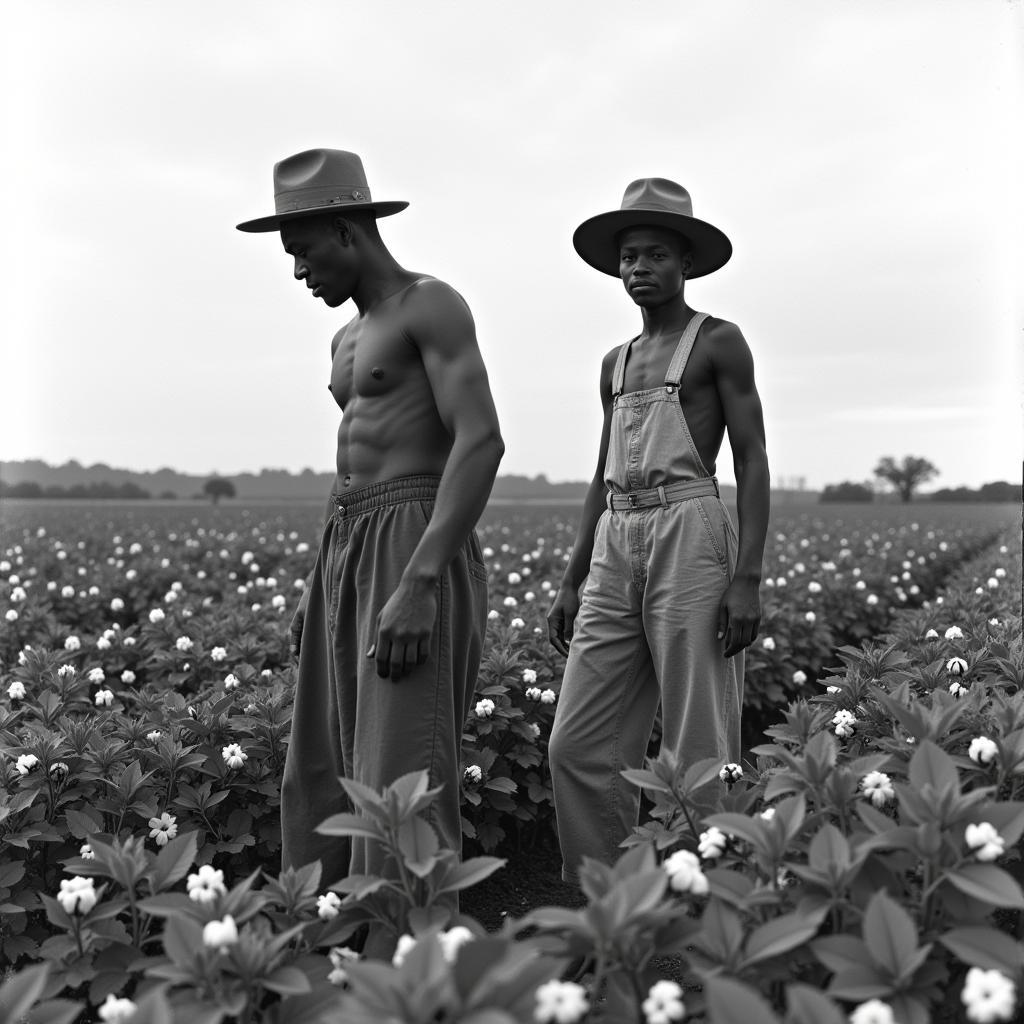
[(664, 495)]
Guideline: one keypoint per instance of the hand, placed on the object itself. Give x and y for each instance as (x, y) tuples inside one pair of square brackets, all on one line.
[(562, 619), (403, 630), (739, 616), (295, 629)]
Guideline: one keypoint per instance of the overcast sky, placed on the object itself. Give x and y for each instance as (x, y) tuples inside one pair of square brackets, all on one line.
[(865, 157)]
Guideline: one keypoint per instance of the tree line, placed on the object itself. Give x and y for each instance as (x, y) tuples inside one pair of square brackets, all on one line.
[(905, 476)]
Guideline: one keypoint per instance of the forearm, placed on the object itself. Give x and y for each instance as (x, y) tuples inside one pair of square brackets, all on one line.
[(461, 497), (753, 501), (594, 505)]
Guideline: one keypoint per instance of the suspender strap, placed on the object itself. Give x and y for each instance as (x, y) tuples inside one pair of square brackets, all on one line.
[(683, 349), (619, 376)]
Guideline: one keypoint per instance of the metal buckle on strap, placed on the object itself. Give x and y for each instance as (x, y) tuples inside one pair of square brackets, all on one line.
[(632, 499)]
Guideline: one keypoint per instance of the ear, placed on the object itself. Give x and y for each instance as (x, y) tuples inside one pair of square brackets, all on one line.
[(687, 265), (345, 230)]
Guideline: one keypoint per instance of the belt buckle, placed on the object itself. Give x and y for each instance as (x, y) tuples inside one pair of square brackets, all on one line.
[(631, 498)]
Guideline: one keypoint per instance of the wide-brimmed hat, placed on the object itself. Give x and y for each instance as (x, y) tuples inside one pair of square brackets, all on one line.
[(662, 203), (318, 181)]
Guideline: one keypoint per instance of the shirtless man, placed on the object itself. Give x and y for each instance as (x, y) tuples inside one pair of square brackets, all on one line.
[(390, 627), (671, 596)]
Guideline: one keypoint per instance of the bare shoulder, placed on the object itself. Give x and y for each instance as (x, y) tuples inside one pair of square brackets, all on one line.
[(338, 338), (725, 342), (434, 314)]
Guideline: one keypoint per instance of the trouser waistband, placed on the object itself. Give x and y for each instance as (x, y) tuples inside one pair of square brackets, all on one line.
[(386, 492), (665, 495)]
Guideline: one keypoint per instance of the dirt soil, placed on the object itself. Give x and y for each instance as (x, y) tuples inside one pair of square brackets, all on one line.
[(531, 878)]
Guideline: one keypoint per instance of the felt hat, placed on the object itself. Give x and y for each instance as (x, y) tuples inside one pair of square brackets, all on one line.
[(319, 181), (658, 202)]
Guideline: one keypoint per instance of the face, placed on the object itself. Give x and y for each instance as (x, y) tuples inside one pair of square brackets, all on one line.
[(652, 264), (324, 257)]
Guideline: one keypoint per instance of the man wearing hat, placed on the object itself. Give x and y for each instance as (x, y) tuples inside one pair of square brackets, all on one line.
[(390, 627), (671, 595)]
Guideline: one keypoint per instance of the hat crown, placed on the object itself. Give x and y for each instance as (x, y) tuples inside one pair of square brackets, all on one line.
[(314, 168), (657, 194)]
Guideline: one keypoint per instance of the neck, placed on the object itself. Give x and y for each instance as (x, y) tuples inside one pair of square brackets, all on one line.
[(381, 277), (669, 318)]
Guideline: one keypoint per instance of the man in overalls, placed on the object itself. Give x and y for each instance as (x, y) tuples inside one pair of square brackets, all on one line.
[(671, 595), (389, 631)]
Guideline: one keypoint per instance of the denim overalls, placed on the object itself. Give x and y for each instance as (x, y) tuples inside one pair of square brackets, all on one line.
[(664, 553)]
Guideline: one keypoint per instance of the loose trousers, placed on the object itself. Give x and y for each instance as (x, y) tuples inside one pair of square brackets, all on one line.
[(645, 633), (349, 722)]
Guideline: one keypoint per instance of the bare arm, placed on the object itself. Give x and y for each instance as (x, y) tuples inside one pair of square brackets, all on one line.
[(733, 366), (441, 327), (566, 604)]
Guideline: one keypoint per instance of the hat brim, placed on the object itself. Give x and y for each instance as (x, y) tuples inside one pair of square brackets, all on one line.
[(594, 239), (274, 222)]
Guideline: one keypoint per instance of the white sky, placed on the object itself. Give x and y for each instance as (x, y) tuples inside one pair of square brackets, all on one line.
[(864, 156)]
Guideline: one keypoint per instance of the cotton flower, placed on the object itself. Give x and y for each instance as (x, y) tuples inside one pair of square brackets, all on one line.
[(664, 1003), (529, 676), (514, 578), (473, 773), (844, 723), (982, 750), (534, 729), (218, 654), (956, 666), (220, 934), (163, 829), (96, 675), (931, 635), (810, 616), (157, 615), (26, 762), (560, 1002), (103, 698), (206, 885), (103, 644), (547, 696), (72, 643), (872, 599), (768, 814), (954, 633), (453, 940), (516, 623), (16, 691), (59, 772), (533, 693), (985, 841), (116, 604), (154, 736), (730, 773), (184, 644), (116, 1011), (684, 873), (768, 643), (328, 906), (878, 787), (510, 602), (712, 843), (402, 950), (988, 996), (67, 590), (278, 601), (799, 677), (958, 690), (484, 708), (874, 1011), (77, 895), (231, 681), (234, 756), (85, 852), (65, 671), (340, 957)]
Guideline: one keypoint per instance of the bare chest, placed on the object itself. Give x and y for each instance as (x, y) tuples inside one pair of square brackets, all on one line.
[(372, 360), (647, 367)]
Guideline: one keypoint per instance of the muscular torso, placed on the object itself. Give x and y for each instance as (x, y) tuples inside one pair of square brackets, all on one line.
[(390, 426), (646, 367)]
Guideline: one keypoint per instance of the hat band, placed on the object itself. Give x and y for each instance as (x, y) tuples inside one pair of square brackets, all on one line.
[(307, 198)]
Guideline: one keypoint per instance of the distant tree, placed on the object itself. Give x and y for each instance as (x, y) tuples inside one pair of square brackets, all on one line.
[(1000, 491), (954, 494), (847, 491), (217, 487), (168, 496), (905, 476)]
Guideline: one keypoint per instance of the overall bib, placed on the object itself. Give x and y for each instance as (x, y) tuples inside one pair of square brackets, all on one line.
[(664, 553)]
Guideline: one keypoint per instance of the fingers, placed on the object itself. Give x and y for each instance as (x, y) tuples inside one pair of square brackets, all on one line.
[(396, 659), (560, 632)]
